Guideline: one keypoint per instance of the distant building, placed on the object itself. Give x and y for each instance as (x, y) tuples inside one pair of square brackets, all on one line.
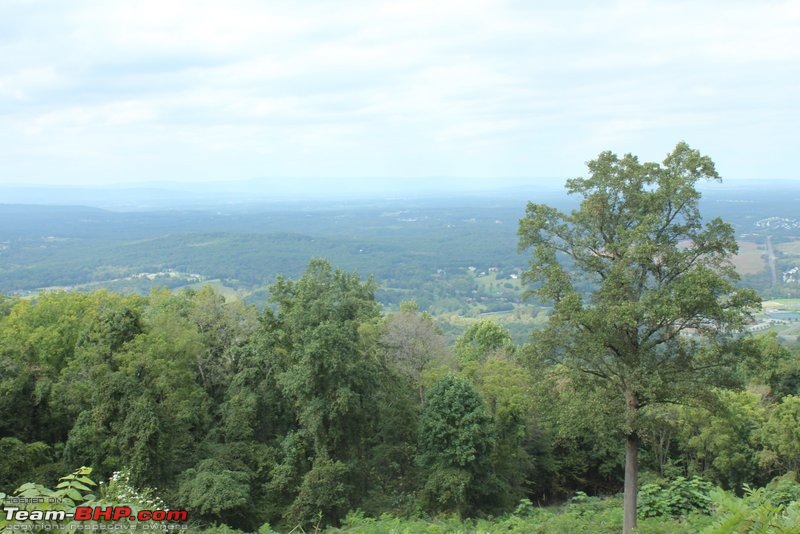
[(791, 276)]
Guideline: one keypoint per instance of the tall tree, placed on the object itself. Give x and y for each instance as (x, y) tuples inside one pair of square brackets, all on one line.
[(455, 447), (411, 341), (330, 376), (663, 300)]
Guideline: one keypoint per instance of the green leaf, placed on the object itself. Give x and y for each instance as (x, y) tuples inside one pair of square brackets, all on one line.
[(74, 494), (78, 485)]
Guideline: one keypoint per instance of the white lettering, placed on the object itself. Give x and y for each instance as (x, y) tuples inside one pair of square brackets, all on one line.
[(55, 515)]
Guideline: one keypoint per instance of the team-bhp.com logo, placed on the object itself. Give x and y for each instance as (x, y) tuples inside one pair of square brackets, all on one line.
[(88, 513)]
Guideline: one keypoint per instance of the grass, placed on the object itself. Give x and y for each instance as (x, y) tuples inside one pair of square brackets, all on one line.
[(751, 258), (521, 314), (792, 248), (485, 283), (785, 304)]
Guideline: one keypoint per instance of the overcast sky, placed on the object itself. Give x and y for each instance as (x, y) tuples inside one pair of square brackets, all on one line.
[(355, 94)]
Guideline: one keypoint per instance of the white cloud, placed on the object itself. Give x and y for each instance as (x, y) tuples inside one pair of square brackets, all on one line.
[(20, 84), (383, 88)]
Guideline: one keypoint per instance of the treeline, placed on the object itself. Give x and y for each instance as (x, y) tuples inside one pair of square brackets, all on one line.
[(55, 246), (406, 267), (321, 405)]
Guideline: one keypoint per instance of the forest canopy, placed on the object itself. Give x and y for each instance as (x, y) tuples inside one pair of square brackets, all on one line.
[(324, 410)]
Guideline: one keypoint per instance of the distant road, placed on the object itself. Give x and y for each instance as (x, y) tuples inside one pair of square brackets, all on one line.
[(771, 259)]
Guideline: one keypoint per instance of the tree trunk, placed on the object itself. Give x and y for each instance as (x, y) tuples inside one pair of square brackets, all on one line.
[(631, 483), (631, 464)]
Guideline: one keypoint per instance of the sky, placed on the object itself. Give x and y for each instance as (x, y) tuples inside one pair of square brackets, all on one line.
[(346, 95)]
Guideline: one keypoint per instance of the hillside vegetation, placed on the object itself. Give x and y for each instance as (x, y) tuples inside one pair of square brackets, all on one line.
[(303, 415), (643, 383)]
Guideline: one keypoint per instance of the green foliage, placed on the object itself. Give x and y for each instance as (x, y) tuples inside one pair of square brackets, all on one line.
[(766, 510), (320, 406), (756, 513), (75, 489), (224, 328), (266, 529), (324, 362), (629, 240), (783, 490), (586, 515), (223, 529), (120, 490), (720, 443), (772, 364), (581, 425), (146, 408), (324, 495), (675, 498), (411, 341), (521, 457), (481, 340), (455, 428), (20, 462), (455, 443), (211, 490), (392, 447), (6, 305), (780, 436), (657, 279), (327, 376), (38, 340), (448, 489)]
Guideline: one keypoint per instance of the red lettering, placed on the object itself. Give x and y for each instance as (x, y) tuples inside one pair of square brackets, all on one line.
[(121, 512), (103, 513), (83, 513), (177, 515)]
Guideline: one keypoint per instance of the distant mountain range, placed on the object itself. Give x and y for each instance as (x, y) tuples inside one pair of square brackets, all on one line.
[(328, 193)]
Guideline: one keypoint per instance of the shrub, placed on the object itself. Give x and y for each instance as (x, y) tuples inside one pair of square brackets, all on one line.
[(676, 498), (783, 490)]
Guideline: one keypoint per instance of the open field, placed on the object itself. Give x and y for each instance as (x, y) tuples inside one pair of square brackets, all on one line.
[(792, 248), (489, 283), (786, 304), (751, 258)]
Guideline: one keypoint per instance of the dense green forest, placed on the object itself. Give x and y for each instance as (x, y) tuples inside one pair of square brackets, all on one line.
[(324, 406), (417, 250), (325, 410)]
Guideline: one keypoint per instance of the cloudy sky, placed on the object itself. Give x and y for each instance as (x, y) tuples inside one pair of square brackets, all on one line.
[(354, 94)]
